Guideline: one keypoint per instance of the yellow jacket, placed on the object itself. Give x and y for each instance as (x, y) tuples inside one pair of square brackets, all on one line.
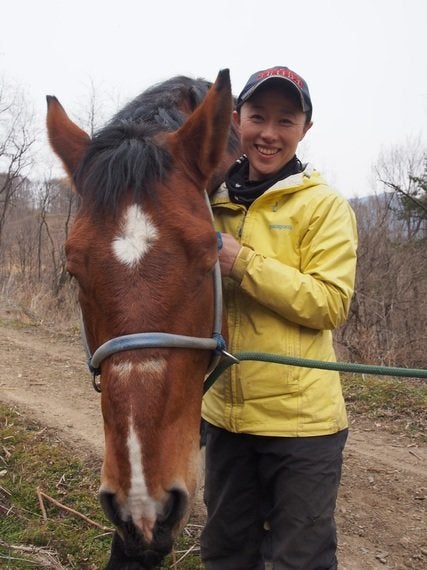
[(291, 285)]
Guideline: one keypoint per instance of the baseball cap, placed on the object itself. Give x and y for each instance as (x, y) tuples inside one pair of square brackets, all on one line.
[(276, 73)]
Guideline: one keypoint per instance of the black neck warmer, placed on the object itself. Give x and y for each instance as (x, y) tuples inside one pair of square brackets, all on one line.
[(243, 191)]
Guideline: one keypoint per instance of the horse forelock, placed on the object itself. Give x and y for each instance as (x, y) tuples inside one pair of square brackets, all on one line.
[(122, 157), (126, 154)]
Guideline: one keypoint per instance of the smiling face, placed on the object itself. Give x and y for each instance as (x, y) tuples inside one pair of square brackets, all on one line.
[(271, 125)]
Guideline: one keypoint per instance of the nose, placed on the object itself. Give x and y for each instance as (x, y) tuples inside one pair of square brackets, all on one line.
[(174, 508), (268, 131), (129, 548)]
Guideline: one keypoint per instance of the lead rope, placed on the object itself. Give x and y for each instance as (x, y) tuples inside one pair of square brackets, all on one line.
[(319, 364)]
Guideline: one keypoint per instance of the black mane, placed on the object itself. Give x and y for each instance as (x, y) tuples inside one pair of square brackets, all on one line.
[(160, 105), (123, 155)]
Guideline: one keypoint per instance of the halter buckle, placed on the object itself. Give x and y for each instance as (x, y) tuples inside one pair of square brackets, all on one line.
[(95, 383)]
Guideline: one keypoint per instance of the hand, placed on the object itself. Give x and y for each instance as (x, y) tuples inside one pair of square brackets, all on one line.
[(228, 253)]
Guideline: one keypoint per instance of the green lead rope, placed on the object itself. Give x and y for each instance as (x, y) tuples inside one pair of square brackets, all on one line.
[(308, 363)]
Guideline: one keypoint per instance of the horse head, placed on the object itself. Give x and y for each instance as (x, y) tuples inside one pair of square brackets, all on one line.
[(142, 249)]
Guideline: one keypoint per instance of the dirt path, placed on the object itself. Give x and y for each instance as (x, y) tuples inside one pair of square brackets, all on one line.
[(382, 505)]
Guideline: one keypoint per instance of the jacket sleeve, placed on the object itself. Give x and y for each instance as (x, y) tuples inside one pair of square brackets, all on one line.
[(318, 293)]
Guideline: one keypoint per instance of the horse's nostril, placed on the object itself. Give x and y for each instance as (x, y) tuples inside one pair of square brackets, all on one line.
[(109, 506), (175, 507)]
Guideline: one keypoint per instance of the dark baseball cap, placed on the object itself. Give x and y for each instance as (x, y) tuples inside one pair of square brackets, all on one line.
[(277, 73)]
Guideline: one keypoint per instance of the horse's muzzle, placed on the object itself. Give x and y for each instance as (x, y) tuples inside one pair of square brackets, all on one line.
[(130, 549)]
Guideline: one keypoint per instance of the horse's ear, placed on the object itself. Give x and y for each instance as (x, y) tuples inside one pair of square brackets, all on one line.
[(67, 139), (203, 138)]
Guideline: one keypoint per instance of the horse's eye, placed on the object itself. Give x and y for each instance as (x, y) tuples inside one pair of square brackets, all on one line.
[(69, 269), (73, 266)]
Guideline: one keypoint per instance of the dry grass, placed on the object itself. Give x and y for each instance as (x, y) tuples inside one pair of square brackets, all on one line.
[(36, 305), (55, 527)]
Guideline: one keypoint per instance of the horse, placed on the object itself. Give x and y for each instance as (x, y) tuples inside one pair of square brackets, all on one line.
[(143, 251)]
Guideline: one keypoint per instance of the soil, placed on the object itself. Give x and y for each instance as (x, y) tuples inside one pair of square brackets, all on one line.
[(381, 512)]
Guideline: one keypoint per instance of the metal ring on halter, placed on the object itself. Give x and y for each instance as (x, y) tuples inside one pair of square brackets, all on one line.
[(95, 384)]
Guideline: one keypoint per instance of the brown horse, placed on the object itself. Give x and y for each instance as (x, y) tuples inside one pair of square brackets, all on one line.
[(143, 249)]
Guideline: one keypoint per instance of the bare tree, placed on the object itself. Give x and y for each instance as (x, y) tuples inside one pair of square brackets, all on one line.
[(402, 170), (16, 141), (57, 203), (97, 107), (389, 309)]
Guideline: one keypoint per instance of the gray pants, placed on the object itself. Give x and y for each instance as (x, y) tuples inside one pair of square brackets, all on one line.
[(271, 499)]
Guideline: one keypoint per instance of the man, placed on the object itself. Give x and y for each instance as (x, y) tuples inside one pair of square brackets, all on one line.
[(275, 434)]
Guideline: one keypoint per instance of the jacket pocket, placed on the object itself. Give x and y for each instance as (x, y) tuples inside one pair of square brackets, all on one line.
[(259, 379)]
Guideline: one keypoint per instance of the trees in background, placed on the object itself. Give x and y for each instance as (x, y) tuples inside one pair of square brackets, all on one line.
[(34, 215), (387, 322), (16, 140), (403, 171)]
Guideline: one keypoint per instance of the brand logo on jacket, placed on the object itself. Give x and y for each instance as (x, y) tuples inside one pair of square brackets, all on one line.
[(280, 227)]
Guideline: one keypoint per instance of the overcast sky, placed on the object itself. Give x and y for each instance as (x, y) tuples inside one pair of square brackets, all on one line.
[(364, 60)]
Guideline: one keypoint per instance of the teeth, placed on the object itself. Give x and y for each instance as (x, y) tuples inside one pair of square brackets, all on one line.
[(268, 151)]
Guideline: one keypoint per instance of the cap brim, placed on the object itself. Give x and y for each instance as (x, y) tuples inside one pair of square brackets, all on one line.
[(276, 79)]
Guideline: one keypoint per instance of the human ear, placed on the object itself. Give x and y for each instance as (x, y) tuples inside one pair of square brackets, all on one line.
[(307, 127), (236, 118)]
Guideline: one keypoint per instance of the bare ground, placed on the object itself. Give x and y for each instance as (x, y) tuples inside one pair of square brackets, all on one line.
[(381, 511)]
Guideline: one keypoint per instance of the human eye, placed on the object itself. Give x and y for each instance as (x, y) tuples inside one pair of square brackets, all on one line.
[(256, 117), (286, 122)]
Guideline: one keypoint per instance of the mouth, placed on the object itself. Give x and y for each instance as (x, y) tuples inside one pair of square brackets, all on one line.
[(267, 151)]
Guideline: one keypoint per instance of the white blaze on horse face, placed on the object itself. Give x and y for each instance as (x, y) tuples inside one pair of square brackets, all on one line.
[(139, 505), (126, 370), (138, 234)]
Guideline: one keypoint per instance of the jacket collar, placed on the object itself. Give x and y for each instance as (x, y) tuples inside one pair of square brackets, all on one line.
[(293, 183), (243, 191)]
